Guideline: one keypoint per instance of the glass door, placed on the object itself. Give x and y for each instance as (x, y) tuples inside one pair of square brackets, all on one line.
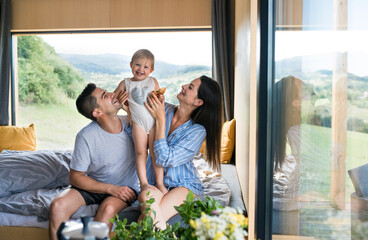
[(320, 119)]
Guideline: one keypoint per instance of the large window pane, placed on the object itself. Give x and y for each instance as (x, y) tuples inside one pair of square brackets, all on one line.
[(320, 118), (53, 69)]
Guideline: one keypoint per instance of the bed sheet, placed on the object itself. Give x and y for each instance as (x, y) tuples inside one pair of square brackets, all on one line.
[(22, 171), (35, 202)]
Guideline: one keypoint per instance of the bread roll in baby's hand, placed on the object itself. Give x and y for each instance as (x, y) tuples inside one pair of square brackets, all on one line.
[(159, 92)]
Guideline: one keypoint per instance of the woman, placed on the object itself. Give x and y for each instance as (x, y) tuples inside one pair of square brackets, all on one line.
[(180, 131), (289, 94)]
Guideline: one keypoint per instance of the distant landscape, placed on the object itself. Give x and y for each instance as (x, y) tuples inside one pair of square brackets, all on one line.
[(49, 83), (47, 78), (107, 70)]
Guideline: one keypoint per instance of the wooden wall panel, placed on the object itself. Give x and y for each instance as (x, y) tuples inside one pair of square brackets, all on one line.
[(161, 13), (245, 107), (241, 94), (289, 14), (69, 15), (253, 110), (44, 15)]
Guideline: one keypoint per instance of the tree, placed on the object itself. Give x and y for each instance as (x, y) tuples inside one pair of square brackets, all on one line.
[(43, 76)]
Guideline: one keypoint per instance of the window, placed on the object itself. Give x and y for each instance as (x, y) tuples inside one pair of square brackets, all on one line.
[(320, 117), (53, 69)]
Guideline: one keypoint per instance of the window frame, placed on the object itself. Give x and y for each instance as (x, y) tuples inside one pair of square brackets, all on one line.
[(264, 168), (14, 56)]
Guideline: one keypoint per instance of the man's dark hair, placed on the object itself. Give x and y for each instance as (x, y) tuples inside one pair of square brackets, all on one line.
[(86, 103)]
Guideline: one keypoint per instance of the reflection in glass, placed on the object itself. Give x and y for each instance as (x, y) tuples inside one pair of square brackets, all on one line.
[(320, 118)]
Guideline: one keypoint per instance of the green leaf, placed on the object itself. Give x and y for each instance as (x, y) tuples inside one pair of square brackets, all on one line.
[(190, 196)]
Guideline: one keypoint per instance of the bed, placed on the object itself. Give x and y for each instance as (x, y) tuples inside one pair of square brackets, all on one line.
[(31, 179)]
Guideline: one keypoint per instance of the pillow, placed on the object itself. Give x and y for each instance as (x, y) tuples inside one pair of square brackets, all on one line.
[(17, 138), (227, 142)]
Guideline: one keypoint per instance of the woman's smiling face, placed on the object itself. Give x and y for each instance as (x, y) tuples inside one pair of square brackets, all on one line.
[(189, 92)]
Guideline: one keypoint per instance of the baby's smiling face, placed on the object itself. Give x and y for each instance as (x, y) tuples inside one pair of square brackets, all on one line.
[(141, 68)]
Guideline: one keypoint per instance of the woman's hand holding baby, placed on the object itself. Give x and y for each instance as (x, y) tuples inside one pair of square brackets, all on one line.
[(156, 106)]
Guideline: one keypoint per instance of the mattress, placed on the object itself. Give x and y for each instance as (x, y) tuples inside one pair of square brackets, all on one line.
[(23, 204)]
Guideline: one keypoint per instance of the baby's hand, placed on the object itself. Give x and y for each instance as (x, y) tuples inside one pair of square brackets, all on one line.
[(122, 98)]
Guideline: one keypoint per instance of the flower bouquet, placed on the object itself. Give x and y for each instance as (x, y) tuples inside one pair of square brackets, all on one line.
[(207, 219), (202, 220), (222, 224)]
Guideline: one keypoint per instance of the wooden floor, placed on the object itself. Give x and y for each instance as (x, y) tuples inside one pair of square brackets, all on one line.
[(26, 233), (23, 233)]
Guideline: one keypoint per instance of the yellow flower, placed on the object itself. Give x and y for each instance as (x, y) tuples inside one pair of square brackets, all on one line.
[(205, 219), (218, 235), (242, 220), (192, 223), (231, 227)]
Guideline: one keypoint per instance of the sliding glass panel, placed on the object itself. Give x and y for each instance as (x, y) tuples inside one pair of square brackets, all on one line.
[(320, 119), (53, 69)]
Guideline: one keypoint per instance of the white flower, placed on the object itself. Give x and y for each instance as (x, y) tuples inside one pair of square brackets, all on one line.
[(226, 223), (211, 233)]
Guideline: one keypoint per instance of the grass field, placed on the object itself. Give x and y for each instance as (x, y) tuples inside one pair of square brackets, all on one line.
[(55, 125), (316, 152)]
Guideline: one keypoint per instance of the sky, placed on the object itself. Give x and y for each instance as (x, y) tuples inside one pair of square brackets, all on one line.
[(195, 48), (300, 43), (172, 47), (289, 44)]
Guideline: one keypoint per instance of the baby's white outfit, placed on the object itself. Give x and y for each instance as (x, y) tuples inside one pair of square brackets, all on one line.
[(138, 92)]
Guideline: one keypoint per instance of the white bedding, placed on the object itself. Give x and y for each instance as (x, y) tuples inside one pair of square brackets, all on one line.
[(213, 182), (33, 210)]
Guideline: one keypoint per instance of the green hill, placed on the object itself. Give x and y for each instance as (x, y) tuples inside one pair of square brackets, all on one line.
[(43, 76), (115, 64)]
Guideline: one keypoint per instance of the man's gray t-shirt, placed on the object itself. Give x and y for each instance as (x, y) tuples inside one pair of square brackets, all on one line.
[(106, 157)]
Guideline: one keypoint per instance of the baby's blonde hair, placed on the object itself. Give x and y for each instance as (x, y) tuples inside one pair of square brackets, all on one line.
[(144, 53)]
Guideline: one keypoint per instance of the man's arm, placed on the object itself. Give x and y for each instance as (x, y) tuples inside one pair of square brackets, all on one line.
[(81, 181)]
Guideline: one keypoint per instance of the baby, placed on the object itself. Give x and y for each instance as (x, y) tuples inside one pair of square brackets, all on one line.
[(138, 88)]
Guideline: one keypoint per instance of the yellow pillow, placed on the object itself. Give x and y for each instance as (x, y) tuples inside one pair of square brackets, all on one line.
[(17, 138), (203, 147), (227, 142)]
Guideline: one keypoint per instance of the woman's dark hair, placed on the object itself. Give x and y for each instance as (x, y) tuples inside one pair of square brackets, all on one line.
[(285, 114), (86, 103), (210, 115)]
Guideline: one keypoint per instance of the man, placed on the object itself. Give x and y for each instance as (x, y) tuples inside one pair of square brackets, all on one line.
[(103, 168)]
